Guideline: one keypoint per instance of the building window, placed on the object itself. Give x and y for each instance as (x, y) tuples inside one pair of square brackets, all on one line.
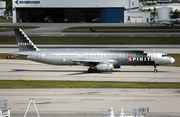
[(132, 3), (128, 18)]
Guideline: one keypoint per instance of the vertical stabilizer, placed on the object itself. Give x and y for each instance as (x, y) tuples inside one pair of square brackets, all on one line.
[(23, 42)]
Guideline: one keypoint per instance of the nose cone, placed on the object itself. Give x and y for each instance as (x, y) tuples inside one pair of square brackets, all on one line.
[(172, 60)]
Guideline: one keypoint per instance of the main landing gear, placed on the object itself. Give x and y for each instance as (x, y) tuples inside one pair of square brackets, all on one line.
[(90, 70), (155, 70)]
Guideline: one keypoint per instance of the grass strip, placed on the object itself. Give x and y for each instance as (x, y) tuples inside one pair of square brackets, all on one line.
[(4, 56), (4, 84), (135, 31), (5, 20), (126, 27), (177, 62), (96, 40), (123, 29)]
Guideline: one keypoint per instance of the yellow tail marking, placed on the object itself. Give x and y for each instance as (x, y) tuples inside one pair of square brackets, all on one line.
[(26, 77), (167, 35), (119, 79)]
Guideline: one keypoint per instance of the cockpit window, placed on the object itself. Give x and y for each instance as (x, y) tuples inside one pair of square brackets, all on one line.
[(165, 55)]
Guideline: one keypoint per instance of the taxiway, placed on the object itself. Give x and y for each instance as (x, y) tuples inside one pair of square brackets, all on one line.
[(89, 102), (55, 29), (19, 69)]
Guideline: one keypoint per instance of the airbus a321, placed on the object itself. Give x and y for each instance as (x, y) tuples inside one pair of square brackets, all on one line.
[(97, 60)]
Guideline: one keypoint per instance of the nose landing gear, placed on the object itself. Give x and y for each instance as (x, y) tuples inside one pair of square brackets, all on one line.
[(90, 70), (155, 70)]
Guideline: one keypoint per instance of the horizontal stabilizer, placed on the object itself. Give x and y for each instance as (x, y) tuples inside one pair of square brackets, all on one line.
[(20, 54)]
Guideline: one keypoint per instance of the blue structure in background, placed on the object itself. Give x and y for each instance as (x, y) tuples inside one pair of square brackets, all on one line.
[(112, 15), (163, 2)]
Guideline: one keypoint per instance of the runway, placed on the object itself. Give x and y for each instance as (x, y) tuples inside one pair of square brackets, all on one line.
[(89, 102), (55, 29), (19, 69)]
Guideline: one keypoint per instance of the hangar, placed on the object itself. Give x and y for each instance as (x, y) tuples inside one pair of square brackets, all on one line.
[(103, 11)]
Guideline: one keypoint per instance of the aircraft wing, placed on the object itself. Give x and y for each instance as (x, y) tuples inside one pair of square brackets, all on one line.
[(87, 62)]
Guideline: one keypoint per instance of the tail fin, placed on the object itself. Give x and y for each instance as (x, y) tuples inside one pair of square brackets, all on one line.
[(24, 43)]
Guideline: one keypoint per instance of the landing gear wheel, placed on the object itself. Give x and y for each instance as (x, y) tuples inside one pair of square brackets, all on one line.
[(90, 70), (155, 70)]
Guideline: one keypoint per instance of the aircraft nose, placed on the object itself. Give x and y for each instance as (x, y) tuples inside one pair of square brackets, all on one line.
[(172, 60)]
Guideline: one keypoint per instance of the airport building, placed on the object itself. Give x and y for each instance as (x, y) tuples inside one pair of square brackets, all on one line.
[(103, 11), (163, 10), (2, 7)]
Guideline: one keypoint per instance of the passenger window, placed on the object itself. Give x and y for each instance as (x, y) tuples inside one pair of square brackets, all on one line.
[(166, 55)]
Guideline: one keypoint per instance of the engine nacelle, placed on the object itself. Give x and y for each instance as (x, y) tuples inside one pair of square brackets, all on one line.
[(105, 67)]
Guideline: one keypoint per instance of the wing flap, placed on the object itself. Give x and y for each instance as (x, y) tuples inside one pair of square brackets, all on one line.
[(86, 61), (94, 61)]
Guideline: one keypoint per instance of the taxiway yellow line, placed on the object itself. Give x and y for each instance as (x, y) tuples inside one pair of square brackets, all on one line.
[(26, 77), (78, 89), (130, 35), (12, 89), (95, 35), (167, 35), (9, 34), (119, 79), (41, 35), (142, 89), (60, 35)]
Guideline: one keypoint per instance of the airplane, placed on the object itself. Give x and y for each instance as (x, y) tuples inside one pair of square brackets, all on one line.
[(164, 21), (97, 60)]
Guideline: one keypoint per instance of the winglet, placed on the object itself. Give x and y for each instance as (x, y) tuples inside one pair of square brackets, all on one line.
[(23, 42)]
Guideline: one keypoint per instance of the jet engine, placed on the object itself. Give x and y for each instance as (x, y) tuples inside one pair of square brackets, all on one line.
[(105, 67)]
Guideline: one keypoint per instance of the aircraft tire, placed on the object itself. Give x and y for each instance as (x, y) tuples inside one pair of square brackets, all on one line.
[(155, 71), (90, 70)]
